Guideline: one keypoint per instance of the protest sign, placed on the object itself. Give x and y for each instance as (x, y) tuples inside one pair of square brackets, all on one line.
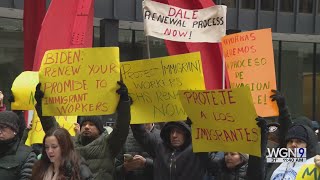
[(80, 81), (36, 133), (23, 88), (222, 120), (153, 85), (177, 24), (309, 171), (250, 62)]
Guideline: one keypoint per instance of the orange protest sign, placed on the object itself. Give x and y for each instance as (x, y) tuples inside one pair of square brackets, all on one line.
[(250, 62)]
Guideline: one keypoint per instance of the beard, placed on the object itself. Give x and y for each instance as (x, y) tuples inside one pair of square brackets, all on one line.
[(86, 139)]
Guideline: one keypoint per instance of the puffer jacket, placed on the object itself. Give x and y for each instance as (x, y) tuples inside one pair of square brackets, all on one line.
[(170, 163), (237, 173), (100, 154), (16, 161)]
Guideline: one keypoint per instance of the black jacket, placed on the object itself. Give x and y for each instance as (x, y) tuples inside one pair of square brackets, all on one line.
[(170, 163), (238, 173), (134, 148), (16, 161)]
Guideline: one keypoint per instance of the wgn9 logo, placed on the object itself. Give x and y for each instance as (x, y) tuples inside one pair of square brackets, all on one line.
[(279, 155)]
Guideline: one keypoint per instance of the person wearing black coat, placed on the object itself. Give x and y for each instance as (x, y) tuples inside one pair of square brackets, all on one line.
[(16, 159)]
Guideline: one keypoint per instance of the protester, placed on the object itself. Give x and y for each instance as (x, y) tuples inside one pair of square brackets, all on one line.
[(233, 167), (172, 152), (139, 165), (59, 159), (2, 106), (298, 136), (16, 159), (95, 145)]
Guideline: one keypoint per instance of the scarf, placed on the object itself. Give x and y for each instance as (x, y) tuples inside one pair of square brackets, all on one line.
[(50, 175)]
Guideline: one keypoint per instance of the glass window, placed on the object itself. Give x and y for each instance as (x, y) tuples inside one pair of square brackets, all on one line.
[(267, 5), (276, 59), (248, 4), (305, 6), (138, 49), (229, 3), (296, 77), (96, 36), (286, 5), (11, 54), (317, 118)]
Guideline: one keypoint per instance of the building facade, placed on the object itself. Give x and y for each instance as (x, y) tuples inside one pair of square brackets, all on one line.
[(296, 40)]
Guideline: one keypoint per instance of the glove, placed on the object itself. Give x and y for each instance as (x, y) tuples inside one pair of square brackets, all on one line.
[(279, 98), (188, 121), (11, 97), (262, 123), (38, 95), (123, 91)]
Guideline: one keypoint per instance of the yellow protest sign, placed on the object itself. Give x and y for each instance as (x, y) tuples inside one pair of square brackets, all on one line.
[(222, 120), (154, 83), (250, 62), (308, 172), (80, 81), (36, 134), (23, 89)]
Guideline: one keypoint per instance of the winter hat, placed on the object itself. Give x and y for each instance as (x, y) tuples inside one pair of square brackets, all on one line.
[(10, 119), (297, 132), (244, 157), (96, 120)]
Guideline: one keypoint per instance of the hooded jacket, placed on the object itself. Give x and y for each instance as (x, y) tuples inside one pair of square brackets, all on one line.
[(312, 149), (170, 163)]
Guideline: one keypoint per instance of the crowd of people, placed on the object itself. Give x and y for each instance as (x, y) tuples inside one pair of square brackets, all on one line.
[(143, 151)]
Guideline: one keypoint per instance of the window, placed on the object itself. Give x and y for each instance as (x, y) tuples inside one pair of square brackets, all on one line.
[(317, 113), (267, 5), (305, 6), (229, 3), (296, 77), (276, 59), (138, 49), (11, 53), (286, 5), (248, 4)]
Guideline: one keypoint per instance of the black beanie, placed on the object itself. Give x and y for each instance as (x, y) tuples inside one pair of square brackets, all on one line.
[(96, 120), (297, 132), (10, 119)]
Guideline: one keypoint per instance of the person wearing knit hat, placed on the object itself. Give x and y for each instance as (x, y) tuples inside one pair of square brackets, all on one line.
[(90, 128), (8, 125), (14, 156), (298, 136)]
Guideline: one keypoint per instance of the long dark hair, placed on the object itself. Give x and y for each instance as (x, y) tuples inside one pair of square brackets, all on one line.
[(70, 160)]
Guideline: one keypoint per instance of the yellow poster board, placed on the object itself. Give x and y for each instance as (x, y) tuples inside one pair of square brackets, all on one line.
[(250, 62), (222, 120), (154, 83), (23, 89), (80, 81), (308, 172), (36, 134)]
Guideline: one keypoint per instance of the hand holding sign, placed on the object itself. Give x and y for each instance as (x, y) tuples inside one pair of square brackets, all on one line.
[(80, 81)]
